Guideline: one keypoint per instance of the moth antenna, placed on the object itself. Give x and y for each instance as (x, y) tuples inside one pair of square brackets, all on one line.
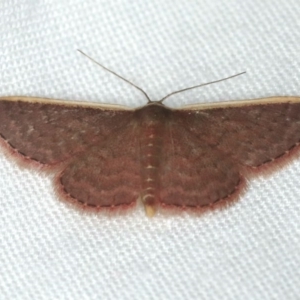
[(199, 85), (145, 94), (126, 80)]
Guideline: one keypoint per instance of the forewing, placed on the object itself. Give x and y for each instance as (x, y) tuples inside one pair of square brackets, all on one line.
[(106, 175), (252, 133), (51, 131)]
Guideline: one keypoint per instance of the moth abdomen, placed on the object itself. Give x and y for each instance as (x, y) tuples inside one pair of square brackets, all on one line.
[(152, 130)]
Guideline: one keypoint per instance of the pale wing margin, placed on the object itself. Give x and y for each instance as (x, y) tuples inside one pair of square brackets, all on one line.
[(258, 101), (65, 102)]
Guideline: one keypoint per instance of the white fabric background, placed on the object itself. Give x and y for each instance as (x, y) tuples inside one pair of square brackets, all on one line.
[(51, 251)]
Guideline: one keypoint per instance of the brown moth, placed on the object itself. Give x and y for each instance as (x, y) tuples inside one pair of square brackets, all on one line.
[(107, 156)]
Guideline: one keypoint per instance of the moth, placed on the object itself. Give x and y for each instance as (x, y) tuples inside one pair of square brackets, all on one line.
[(107, 156)]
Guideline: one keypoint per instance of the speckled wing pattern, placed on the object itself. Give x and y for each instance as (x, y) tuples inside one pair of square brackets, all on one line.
[(50, 131), (213, 149), (110, 156), (83, 139)]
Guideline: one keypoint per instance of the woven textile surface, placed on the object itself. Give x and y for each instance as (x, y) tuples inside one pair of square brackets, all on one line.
[(250, 250)]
